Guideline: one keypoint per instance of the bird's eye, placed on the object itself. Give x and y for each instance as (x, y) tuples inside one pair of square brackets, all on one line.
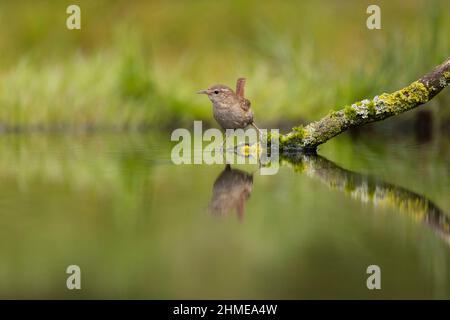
[(216, 91)]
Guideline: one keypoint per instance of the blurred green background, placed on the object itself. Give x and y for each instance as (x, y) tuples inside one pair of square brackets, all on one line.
[(138, 64)]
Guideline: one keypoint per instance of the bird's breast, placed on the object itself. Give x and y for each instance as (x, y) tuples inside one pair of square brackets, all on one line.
[(232, 116)]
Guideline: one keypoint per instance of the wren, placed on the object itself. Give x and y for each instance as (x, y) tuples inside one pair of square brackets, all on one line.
[(231, 109)]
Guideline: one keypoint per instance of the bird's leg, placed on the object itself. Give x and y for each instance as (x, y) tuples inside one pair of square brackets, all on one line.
[(224, 145), (260, 139), (257, 129)]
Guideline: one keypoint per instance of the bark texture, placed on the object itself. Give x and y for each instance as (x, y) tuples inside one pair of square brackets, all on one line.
[(307, 138)]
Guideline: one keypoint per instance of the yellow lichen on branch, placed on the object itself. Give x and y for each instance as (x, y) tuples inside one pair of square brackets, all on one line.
[(380, 107)]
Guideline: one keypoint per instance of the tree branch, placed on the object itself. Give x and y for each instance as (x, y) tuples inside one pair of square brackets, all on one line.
[(381, 107)]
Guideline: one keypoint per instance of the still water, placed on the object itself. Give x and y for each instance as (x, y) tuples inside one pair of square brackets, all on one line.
[(140, 227)]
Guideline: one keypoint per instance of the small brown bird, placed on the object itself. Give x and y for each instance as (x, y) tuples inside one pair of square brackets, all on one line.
[(231, 109)]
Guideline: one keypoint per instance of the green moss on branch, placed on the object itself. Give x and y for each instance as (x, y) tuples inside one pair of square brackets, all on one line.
[(369, 110)]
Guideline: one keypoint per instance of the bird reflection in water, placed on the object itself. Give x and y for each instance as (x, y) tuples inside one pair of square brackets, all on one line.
[(231, 190)]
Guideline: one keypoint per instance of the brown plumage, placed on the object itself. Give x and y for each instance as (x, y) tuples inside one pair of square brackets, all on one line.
[(231, 109), (240, 84)]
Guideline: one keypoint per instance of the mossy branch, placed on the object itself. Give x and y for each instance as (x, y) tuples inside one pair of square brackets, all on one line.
[(381, 107)]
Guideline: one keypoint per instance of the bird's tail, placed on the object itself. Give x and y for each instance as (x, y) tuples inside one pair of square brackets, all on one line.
[(240, 84)]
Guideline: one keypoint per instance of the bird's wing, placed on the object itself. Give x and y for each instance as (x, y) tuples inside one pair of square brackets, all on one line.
[(244, 103)]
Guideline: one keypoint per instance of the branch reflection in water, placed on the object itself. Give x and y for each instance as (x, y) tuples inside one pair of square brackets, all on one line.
[(232, 189)]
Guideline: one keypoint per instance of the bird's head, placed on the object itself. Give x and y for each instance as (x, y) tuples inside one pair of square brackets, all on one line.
[(219, 94)]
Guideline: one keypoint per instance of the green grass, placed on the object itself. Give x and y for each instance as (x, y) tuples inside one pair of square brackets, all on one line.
[(139, 65)]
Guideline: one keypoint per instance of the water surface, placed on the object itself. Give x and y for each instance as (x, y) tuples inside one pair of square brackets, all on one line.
[(141, 227)]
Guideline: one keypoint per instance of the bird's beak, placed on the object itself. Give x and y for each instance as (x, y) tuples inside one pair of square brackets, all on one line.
[(202, 92)]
